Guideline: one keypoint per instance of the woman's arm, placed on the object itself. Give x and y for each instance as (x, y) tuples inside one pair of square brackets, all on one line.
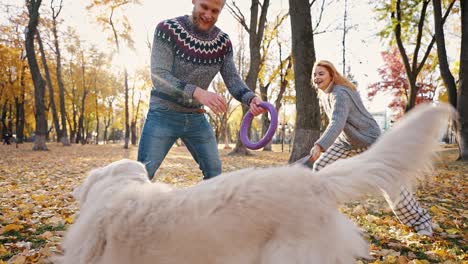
[(341, 104)]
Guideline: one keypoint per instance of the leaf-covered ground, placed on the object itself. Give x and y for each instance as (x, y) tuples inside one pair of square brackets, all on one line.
[(36, 207)]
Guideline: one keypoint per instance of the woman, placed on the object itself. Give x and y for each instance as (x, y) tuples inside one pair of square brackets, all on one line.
[(351, 130)]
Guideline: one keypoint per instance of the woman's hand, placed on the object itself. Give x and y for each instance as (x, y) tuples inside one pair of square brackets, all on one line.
[(315, 152)]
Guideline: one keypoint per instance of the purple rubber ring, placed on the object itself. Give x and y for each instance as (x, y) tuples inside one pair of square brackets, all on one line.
[(247, 121)]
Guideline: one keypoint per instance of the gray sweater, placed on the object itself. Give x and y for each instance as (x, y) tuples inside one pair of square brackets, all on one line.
[(350, 123), (183, 58)]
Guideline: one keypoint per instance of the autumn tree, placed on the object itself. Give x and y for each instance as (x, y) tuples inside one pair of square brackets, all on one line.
[(8, 85), (462, 100), (15, 74), (99, 61), (447, 77), (446, 74), (120, 32), (307, 127), (141, 81), (255, 29), (72, 46), (220, 121), (56, 9), (108, 117), (39, 83), (275, 69), (409, 27), (85, 89), (45, 66), (394, 81)]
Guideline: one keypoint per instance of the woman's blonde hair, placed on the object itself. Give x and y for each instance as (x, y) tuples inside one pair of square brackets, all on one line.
[(337, 78)]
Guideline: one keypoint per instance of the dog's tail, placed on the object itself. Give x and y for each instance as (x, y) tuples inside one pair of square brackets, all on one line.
[(397, 158)]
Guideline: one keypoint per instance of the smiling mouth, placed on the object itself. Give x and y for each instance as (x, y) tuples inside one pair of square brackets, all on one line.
[(204, 21)]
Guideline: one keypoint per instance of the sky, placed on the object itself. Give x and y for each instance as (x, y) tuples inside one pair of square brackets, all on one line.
[(363, 47)]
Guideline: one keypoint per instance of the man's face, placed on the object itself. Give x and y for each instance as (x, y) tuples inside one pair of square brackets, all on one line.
[(205, 13)]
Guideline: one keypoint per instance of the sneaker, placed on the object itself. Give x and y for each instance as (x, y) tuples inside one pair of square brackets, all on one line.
[(427, 231)]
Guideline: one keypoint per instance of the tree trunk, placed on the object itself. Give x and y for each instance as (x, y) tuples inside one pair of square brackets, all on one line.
[(19, 120), (107, 121), (3, 120), (19, 102), (413, 92), (81, 137), (256, 30), (226, 136), (104, 137), (55, 118), (72, 119), (64, 139), (106, 127), (445, 73), (127, 118), (343, 41), (283, 84), (307, 127), (10, 120), (97, 117), (265, 119), (413, 69), (133, 128), (462, 105), (136, 114), (265, 125), (39, 83)]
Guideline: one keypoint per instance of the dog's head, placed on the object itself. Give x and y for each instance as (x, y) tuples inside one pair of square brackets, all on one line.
[(112, 175)]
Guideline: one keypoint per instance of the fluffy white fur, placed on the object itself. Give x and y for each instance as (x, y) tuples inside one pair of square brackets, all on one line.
[(276, 215)]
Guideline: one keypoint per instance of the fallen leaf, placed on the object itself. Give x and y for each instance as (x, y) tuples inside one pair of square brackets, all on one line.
[(11, 227)]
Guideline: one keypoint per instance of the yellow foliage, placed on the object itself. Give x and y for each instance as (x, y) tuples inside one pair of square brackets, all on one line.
[(3, 250), (11, 227), (436, 210)]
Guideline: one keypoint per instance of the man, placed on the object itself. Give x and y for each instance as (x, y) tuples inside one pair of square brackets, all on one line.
[(187, 53)]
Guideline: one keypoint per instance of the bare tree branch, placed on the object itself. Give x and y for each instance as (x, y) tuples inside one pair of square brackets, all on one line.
[(422, 18), (397, 14), (322, 7), (429, 47), (311, 3), (56, 14), (148, 43), (238, 15), (263, 17)]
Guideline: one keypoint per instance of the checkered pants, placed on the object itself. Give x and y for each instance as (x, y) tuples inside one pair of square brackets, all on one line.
[(406, 208)]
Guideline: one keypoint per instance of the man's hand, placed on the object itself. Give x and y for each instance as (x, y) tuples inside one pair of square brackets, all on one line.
[(255, 109), (214, 101), (315, 152)]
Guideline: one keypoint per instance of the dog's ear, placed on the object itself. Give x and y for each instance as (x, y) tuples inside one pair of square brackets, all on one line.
[(80, 193), (128, 170)]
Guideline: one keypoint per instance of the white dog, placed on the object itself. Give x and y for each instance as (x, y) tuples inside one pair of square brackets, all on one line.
[(276, 215)]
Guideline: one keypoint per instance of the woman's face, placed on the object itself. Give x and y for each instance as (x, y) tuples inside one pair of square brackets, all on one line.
[(322, 78)]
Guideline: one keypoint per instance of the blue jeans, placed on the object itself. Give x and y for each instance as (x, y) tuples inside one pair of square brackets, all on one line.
[(163, 127)]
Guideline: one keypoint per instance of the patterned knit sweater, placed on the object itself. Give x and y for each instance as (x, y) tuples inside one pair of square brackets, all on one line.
[(183, 58), (350, 123)]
